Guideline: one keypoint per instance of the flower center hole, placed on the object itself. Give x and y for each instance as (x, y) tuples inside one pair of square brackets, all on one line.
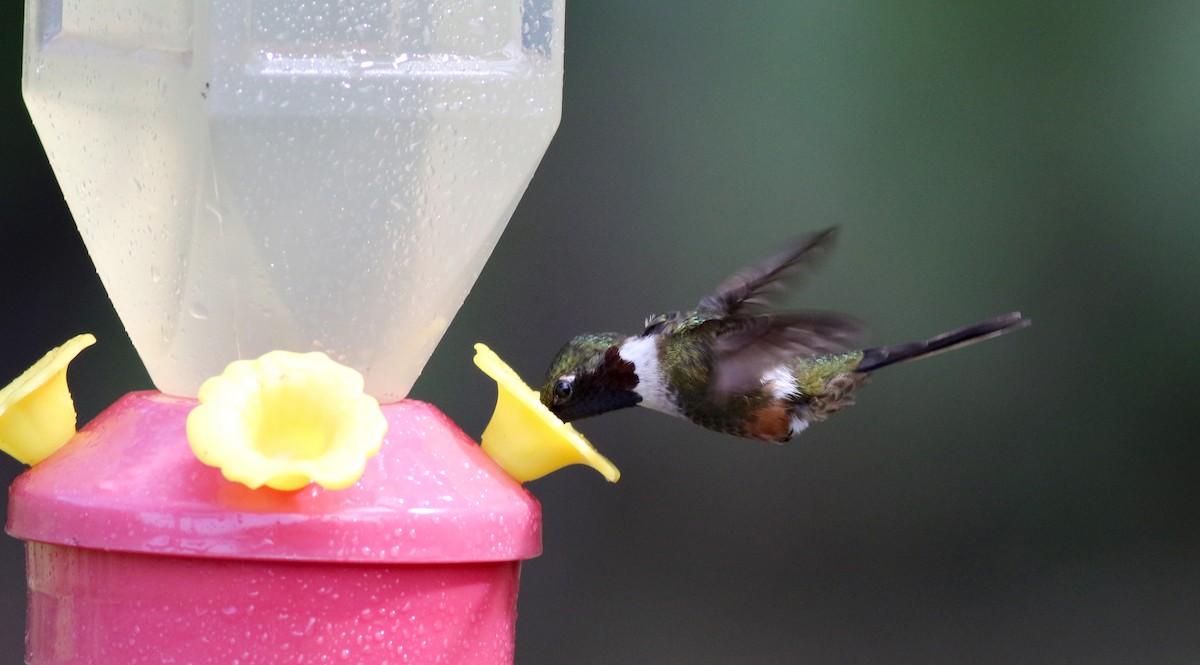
[(293, 424)]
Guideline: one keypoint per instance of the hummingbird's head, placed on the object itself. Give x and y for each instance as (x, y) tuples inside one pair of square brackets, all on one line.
[(589, 377)]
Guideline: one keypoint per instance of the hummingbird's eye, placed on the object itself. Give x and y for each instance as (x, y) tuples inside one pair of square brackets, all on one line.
[(562, 389)]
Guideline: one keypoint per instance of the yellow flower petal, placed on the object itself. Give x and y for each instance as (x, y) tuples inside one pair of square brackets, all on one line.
[(524, 437), (37, 414), (285, 420)]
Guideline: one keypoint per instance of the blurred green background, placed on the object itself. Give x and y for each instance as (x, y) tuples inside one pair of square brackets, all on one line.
[(1030, 500)]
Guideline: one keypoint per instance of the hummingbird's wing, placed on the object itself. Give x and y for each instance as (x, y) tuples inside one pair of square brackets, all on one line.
[(746, 346), (750, 286), (657, 323)]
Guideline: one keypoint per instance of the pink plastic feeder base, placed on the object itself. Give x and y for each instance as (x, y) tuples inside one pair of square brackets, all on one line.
[(87, 606), (138, 553)]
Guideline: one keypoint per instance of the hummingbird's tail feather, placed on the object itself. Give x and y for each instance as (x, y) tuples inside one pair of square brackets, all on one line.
[(883, 356)]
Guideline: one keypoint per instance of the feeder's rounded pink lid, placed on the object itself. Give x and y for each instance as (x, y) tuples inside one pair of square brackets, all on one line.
[(128, 481)]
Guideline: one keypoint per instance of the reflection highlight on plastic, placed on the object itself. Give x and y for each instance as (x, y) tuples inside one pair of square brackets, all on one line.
[(523, 436), (37, 414), (285, 420)]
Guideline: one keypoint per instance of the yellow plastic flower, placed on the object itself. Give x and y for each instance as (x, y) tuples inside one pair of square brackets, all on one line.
[(524, 437), (285, 420), (37, 414)]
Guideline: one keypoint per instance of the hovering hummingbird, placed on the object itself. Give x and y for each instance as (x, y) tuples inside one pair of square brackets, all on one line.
[(734, 365)]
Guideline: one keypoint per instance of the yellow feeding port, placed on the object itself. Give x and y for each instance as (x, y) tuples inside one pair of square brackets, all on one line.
[(37, 414), (524, 437), (285, 420)]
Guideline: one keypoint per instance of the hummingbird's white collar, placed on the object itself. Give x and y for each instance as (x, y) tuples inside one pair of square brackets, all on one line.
[(652, 387)]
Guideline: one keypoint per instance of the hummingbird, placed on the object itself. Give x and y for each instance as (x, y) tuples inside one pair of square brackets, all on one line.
[(736, 365)]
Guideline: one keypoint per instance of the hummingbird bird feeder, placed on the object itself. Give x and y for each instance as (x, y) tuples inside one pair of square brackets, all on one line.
[(287, 203)]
